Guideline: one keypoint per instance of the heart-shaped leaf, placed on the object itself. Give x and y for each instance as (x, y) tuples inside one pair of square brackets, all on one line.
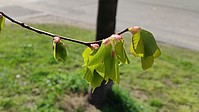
[(144, 45), (60, 53), (94, 79)]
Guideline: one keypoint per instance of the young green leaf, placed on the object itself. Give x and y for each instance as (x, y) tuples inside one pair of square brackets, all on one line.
[(2, 22), (60, 53), (111, 68), (150, 45), (121, 53), (94, 79), (137, 46), (98, 58), (94, 75), (147, 62), (86, 55), (144, 45)]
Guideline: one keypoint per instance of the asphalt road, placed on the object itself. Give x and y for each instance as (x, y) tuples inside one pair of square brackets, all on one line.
[(171, 21)]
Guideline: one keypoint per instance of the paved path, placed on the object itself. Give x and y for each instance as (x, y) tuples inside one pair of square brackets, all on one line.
[(172, 21)]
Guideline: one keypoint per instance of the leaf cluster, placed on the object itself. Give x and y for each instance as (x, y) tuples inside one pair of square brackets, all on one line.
[(102, 62)]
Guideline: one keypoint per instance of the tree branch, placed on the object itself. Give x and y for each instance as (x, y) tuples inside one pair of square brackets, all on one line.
[(54, 35)]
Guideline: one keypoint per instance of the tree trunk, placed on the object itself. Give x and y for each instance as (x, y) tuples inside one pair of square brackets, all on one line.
[(106, 21), (106, 18)]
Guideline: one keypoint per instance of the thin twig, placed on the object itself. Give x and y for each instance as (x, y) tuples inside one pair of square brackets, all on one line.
[(125, 30), (51, 34)]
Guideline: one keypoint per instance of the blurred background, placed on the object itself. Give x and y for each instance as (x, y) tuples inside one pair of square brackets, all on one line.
[(172, 21)]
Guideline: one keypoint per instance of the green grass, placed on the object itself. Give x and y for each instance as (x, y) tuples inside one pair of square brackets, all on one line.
[(31, 80)]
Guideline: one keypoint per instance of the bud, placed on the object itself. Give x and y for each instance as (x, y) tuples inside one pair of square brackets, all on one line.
[(56, 39), (106, 41), (117, 37), (134, 29), (94, 46)]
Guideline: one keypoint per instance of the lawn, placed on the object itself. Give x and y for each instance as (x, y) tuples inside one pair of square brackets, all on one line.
[(31, 80)]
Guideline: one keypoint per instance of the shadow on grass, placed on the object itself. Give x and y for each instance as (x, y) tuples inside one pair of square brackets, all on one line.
[(120, 101)]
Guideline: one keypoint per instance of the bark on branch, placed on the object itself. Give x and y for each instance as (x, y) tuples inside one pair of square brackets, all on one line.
[(51, 34)]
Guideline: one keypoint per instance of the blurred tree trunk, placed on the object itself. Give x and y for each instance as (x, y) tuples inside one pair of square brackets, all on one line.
[(106, 21), (106, 18)]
